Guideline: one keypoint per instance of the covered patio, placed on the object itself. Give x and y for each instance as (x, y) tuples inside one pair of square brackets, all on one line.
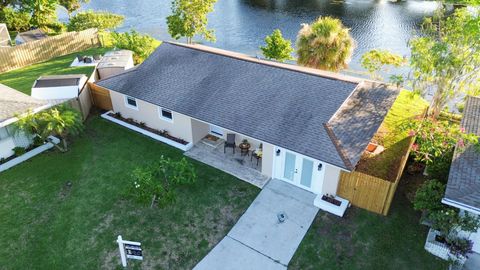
[(244, 166)]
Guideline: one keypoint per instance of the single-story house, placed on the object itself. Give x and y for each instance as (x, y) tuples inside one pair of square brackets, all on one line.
[(13, 103), (310, 124), (29, 36), (463, 187)]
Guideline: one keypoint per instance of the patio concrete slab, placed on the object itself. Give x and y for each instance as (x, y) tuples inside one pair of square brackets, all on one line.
[(237, 165), (259, 232)]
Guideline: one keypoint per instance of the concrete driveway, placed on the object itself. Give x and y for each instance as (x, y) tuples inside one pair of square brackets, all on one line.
[(259, 240)]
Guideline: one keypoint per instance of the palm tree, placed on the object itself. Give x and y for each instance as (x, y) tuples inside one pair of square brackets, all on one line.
[(60, 121), (325, 44)]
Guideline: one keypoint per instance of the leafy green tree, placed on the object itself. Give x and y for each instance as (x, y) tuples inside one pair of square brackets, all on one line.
[(71, 5), (157, 182), (16, 20), (100, 20), (276, 47), (141, 45), (43, 11), (325, 44), (379, 60), (189, 18), (60, 121), (445, 59)]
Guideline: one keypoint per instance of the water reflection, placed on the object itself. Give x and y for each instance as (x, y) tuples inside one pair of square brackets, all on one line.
[(241, 25)]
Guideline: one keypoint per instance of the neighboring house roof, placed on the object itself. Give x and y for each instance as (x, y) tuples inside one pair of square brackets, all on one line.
[(464, 179), (32, 35), (59, 80), (281, 104), (13, 102)]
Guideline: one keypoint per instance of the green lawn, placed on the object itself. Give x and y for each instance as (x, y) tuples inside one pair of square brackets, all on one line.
[(363, 240), (392, 137), (22, 79), (45, 224)]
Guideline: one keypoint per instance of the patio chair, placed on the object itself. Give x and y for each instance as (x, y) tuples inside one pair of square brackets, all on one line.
[(230, 142), (88, 60), (80, 58)]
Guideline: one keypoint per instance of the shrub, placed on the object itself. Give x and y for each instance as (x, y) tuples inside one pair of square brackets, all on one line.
[(19, 151), (54, 28), (141, 45), (429, 196), (16, 20), (439, 168), (156, 183), (276, 47), (100, 20)]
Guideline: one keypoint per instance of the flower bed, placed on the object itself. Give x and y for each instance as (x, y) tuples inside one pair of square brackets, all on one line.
[(158, 135), (29, 154)]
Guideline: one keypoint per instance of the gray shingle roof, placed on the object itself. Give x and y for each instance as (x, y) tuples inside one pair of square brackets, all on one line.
[(359, 119), (32, 35), (464, 178), (13, 102), (266, 101)]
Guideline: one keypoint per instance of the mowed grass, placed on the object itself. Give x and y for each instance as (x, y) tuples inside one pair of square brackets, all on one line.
[(363, 240), (22, 79), (392, 136), (45, 224)]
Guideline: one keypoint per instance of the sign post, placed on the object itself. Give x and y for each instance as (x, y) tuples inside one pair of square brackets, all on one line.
[(129, 250)]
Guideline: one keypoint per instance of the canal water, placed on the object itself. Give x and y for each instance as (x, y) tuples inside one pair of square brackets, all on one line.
[(241, 25)]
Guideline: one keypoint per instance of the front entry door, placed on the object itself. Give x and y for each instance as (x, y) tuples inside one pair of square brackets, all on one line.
[(297, 169)]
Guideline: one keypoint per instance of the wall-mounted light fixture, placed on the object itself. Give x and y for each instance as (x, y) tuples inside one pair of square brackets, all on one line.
[(278, 152), (320, 166)]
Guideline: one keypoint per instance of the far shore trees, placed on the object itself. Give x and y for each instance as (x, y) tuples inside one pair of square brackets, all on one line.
[(325, 44), (189, 18)]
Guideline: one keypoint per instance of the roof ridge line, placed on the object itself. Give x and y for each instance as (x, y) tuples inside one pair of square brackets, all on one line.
[(338, 146), (274, 64)]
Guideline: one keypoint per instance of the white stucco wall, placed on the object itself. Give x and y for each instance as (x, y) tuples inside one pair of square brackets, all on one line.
[(199, 130), (267, 159), (331, 179), (8, 141), (180, 127)]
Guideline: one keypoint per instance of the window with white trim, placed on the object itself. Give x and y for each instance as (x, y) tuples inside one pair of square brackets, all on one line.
[(131, 102), (165, 114)]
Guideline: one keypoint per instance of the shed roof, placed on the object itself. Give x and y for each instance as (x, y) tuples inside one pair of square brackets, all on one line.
[(285, 105), (59, 80), (464, 178)]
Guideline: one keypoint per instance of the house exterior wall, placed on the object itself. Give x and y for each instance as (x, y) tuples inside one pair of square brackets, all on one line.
[(330, 182), (199, 130), (267, 159), (8, 141), (180, 127)]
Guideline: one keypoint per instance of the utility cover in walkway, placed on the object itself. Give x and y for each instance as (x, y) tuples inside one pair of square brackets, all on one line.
[(260, 240)]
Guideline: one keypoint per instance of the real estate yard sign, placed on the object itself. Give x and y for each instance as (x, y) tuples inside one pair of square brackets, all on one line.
[(129, 250)]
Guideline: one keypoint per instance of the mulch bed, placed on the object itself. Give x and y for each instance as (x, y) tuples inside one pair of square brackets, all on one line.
[(162, 133)]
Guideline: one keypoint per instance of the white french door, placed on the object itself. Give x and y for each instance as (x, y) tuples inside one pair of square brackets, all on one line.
[(297, 169)]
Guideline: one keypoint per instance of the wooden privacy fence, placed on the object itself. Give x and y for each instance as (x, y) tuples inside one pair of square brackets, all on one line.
[(100, 97), (47, 48), (370, 192)]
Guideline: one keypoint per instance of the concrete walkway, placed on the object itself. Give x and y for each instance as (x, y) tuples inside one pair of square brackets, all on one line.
[(259, 240)]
